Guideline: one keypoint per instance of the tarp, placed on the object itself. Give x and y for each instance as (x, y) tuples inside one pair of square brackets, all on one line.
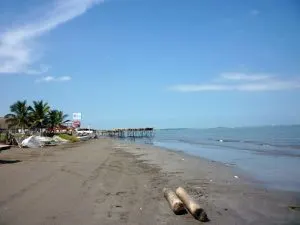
[(32, 142), (43, 139), (39, 141)]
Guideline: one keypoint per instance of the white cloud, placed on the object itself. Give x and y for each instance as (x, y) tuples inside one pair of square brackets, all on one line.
[(17, 52), (270, 85), (200, 87), (241, 82), (254, 12), (48, 79), (41, 70), (244, 77), (64, 78)]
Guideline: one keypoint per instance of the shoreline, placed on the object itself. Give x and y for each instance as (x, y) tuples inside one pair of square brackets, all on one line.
[(247, 177), (243, 176), (267, 171), (121, 183), (218, 183)]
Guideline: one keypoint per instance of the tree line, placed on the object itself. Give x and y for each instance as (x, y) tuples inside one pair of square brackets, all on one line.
[(37, 116)]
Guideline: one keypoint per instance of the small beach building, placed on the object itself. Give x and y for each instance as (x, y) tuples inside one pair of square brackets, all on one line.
[(3, 124)]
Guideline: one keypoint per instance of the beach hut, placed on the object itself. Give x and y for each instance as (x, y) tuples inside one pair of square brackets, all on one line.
[(3, 124)]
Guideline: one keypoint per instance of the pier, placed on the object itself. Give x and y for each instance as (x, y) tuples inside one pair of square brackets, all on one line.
[(129, 132)]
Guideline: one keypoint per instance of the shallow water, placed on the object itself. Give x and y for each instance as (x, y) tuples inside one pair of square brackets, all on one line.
[(269, 154)]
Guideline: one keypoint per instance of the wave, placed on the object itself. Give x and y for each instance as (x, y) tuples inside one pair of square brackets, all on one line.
[(244, 141), (256, 147), (211, 141)]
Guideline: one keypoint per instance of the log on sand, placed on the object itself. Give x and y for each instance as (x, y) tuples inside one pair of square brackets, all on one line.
[(194, 208), (174, 202)]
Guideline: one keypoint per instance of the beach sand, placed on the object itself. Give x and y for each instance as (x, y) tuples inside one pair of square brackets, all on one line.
[(112, 182)]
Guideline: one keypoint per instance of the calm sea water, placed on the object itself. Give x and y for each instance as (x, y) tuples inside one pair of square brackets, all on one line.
[(270, 154)]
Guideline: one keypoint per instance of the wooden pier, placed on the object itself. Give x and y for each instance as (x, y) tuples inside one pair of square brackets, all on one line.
[(129, 132)]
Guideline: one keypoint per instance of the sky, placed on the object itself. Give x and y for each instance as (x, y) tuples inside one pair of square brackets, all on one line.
[(154, 63)]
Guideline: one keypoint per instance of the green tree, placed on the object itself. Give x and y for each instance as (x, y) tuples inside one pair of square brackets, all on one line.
[(55, 118), (39, 114), (19, 116)]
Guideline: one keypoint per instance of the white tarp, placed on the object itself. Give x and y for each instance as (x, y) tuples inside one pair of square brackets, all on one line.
[(32, 142), (38, 141), (43, 139)]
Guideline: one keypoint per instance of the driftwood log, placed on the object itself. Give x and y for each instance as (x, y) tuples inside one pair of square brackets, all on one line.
[(194, 208), (174, 202)]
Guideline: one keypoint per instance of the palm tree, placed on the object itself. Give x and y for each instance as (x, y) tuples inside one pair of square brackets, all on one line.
[(39, 114), (19, 116), (55, 118)]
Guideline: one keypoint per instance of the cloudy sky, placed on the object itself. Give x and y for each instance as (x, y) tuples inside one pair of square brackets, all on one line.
[(162, 63)]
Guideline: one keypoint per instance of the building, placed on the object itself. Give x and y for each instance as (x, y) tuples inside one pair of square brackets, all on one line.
[(3, 124)]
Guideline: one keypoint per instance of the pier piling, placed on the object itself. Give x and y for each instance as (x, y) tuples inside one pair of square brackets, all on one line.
[(129, 132)]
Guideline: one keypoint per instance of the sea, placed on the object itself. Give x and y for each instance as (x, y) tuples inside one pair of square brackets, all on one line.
[(269, 154)]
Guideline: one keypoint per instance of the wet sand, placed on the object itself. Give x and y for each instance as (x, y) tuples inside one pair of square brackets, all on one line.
[(111, 182)]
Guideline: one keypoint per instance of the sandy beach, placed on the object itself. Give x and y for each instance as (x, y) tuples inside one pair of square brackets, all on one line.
[(112, 182)]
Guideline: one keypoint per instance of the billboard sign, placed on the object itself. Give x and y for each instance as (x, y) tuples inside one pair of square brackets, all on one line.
[(76, 116), (76, 123)]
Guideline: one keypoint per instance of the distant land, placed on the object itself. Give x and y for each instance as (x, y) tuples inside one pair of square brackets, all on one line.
[(237, 127)]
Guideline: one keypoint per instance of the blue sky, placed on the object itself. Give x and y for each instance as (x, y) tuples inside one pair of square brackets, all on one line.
[(161, 63)]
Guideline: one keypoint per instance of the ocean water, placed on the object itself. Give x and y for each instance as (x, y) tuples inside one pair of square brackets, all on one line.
[(270, 154)]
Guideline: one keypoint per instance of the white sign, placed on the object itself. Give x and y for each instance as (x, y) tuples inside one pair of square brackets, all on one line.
[(76, 116)]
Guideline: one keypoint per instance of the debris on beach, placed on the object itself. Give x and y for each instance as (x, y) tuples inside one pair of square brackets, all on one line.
[(294, 207), (230, 164), (4, 147), (193, 207), (236, 177), (175, 203), (39, 141), (32, 142)]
